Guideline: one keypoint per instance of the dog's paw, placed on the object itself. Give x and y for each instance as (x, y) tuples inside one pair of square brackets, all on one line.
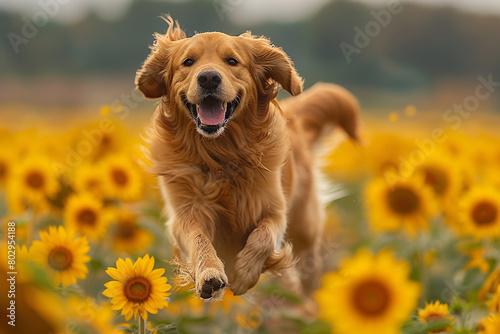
[(244, 278), (211, 284)]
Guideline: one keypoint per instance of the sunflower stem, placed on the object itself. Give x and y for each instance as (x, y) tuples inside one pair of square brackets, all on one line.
[(142, 325)]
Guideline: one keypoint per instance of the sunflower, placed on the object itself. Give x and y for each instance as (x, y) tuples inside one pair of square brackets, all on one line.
[(436, 311), (86, 215), (384, 154), (477, 260), (34, 181), (7, 158), (490, 286), (494, 303), (369, 294), (491, 176), (406, 203), (483, 155), (138, 288), (443, 176), (345, 162), (490, 325), (88, 179), (101, 321), (73, 314), (479, 212), (23, 265), (22, 256), (458, 144), (62, 254), (128, 235), (122, 178), (16, 201), (105, 138)]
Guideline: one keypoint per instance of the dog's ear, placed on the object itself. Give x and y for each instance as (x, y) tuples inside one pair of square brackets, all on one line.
[(150, 79), (272, 62)]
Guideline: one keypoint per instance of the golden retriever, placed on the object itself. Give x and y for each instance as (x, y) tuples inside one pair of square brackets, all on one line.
[(235, 168)]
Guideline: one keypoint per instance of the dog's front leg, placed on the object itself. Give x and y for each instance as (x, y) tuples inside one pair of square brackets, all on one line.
[(206, 267), (262, 251)]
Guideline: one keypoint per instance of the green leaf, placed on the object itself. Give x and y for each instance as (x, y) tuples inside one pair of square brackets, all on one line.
[(471, 276)]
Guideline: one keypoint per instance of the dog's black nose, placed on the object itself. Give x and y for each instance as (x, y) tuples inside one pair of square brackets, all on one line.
[(209, 79)]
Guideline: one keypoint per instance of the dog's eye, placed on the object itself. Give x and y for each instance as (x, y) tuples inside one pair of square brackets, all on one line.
[(188, 62), (232, 61)]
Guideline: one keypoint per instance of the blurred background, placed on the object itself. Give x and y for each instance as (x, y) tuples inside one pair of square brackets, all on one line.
[(429, 53)]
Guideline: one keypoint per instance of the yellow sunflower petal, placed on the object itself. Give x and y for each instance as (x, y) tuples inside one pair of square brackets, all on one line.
[(134, 292), (368, 295)]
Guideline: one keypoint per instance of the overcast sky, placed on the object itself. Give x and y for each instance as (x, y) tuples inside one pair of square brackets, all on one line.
[(243, 11), (476, 6), (258, 10)]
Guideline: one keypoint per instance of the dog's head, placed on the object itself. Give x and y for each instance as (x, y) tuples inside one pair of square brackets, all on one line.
[(211, 76)]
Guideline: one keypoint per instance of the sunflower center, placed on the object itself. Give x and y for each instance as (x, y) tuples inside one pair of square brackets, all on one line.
[(437, 179), (3, 170), (137, 289), (403, 200), (484, 213), (105, 141), (35, 180), (126, 230), (371, 298), (119, 177), (87, 217), (433, 316), (60, 258), (388, 165), (92, 183)]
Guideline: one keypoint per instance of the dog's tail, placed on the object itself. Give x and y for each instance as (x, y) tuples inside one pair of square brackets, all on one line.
[(322, 107)]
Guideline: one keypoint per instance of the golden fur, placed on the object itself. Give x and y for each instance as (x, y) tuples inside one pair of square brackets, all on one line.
[(243, 200)]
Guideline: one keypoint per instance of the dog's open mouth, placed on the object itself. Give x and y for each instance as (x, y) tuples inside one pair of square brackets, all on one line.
[(211, 114)]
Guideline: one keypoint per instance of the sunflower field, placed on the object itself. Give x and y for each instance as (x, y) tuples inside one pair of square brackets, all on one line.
[(411, 242)]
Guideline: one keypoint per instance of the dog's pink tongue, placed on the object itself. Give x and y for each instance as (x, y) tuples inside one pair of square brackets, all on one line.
[(211, 111)]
